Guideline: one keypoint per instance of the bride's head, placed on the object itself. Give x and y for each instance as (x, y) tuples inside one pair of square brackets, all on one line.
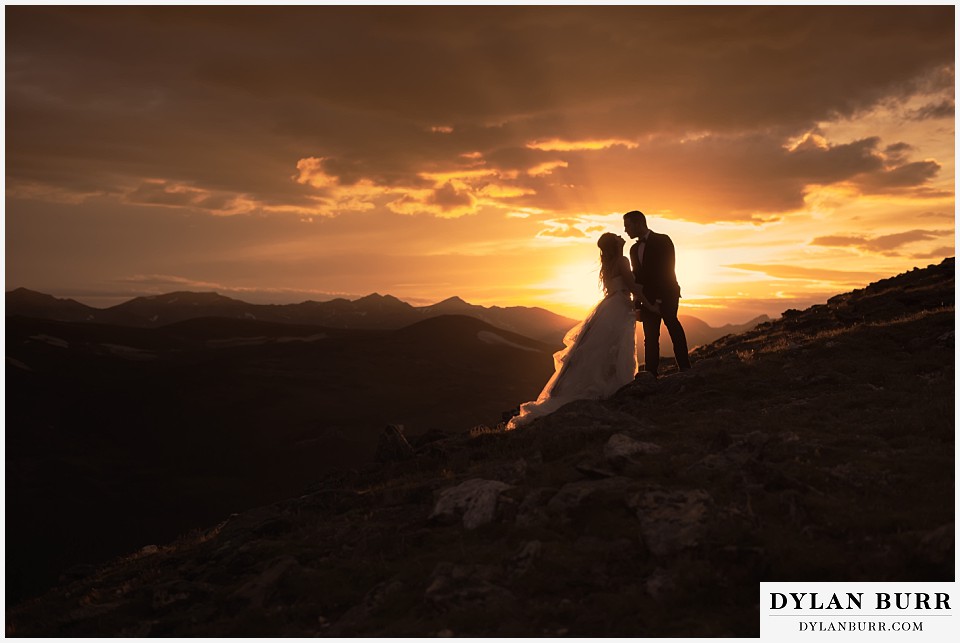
[(611, 251)]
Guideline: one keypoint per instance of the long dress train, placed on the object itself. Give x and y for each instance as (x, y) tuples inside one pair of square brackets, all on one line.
[(599, 357)]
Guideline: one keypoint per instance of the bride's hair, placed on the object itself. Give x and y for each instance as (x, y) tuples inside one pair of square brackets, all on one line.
[(611, 251)]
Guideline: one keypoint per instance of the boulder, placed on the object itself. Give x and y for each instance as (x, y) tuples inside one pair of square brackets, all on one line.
[(523, 560), (453, 586), (621, 449), (671, 520), (257, 591), (574, 496), (474, 501), (533, 509)]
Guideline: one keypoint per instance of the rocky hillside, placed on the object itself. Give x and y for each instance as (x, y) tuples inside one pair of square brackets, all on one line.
[(816, 447)]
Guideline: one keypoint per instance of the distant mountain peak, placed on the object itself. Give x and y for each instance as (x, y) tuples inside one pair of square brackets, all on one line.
[(377, 298), (24, 297), (449, 304), (21, 293), (191, 296)]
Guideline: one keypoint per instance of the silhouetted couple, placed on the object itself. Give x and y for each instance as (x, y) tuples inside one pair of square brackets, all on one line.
[(600, 355)]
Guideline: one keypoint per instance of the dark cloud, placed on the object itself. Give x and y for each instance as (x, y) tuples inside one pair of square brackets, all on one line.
[(449, 198), (942, 109), (939, 253), (898, 152), (229, 99), (905, 176), (162, 193), (884, 244)]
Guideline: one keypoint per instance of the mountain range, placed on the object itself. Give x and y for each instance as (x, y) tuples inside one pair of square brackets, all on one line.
[(374, 311)]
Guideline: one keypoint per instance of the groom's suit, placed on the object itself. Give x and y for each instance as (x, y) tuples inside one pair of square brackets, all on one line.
[(654, 268)]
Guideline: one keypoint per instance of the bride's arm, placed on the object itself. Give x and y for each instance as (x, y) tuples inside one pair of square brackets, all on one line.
[(635, 289)]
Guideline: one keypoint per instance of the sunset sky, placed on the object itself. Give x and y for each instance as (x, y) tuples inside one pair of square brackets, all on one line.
[(278, 154)]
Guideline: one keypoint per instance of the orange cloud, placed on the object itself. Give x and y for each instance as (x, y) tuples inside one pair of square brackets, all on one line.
[(567, 228), (440, 178), (546, 168), (495, 191), (559, 145), (310, 172), (884, 244), (159, 192), (779, 271)]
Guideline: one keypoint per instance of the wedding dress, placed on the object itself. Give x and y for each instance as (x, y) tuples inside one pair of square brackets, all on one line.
[(598, 359)]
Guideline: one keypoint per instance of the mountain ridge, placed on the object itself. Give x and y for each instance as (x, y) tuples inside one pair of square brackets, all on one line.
[(373, 311)]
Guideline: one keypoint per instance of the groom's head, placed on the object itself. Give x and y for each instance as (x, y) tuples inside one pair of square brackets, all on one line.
[(635, 224)]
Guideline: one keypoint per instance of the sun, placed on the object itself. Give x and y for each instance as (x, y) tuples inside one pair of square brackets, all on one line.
[(574, 288)]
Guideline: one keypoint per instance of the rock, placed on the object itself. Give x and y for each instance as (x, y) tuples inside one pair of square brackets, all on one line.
[(937, 546), (459, 586), (522, 561), (511, 473), (532, 511), (475, 500), (588, 417), (644, 384), (593, 470), (357, 615), (147, 550), (177, 591), (574, 495), (393, 445), (671, 521), (620, 449), (707, 366), (256, 592), (660, 584)]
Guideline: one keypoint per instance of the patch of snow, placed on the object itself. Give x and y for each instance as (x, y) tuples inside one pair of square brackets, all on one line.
[(237, 341), (487, 337), (129, 352), (53, 341), (255, 341), (308, 338), (15, 362)]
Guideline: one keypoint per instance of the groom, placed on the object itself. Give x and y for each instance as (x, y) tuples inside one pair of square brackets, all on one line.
[(654, 260)]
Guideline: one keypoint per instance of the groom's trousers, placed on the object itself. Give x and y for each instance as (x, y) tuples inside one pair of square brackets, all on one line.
[(651, 335)]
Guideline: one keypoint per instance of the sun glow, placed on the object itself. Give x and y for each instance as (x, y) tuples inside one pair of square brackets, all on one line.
[(574, 288)]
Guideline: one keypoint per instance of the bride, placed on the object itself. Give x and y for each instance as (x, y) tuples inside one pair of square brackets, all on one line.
[(600, 352)]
